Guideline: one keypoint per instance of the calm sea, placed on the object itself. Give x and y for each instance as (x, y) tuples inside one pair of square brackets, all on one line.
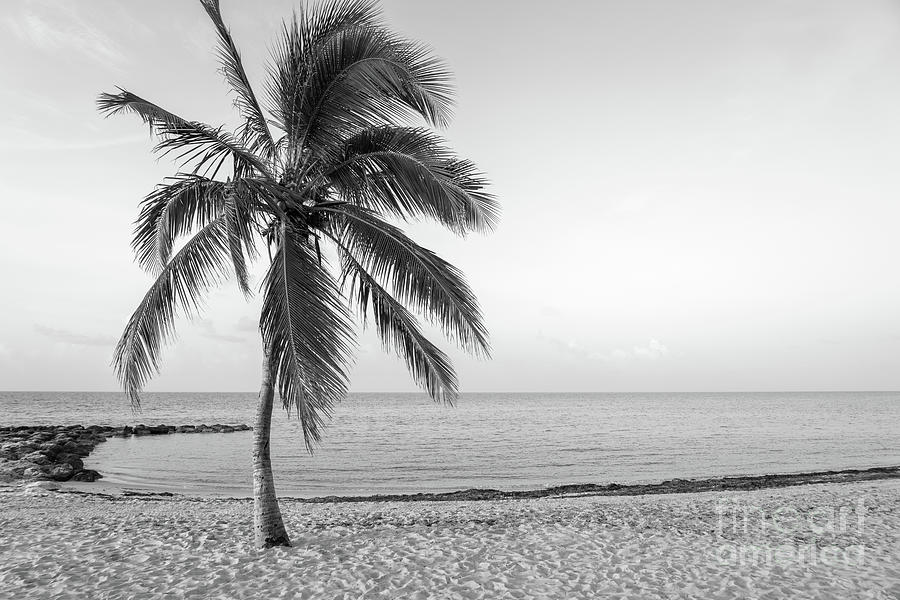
[(405, 443)]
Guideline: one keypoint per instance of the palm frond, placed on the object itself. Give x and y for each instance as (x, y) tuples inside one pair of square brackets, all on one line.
[(255, 129), (415, 275), (183, 204), (240, 221), (398, 330), (204, 147), (429, 86), (306, 324), (201, 263), (311, 28), (158, 118), (410, 172), (361, 78), (364, 78), (319, 21), (482, 210)]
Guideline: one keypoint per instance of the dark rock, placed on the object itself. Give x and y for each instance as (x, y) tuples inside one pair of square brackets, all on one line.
[(36, 458), (71, 459), (86, 475), (61, 472), (83, 450), (70, 447), (10, 472), (52, 449), (9, 452), (26, 447), (35, 472)]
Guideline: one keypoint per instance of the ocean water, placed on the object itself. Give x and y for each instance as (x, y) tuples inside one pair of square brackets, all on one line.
[(404, 443)]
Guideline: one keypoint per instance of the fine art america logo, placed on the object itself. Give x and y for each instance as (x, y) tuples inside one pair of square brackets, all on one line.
[(789, 536)]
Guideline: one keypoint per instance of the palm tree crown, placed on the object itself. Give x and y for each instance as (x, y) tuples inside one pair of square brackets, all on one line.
[(329, 163)]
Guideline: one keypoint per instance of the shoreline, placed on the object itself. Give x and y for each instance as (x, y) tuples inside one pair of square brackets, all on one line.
[(671, 486), (741, 483)]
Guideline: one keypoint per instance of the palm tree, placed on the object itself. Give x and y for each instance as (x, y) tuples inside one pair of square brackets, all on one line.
[(346, 145)]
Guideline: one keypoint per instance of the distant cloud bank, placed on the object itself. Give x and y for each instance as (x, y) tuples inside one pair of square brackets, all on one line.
[(653, 350), (74, 338)]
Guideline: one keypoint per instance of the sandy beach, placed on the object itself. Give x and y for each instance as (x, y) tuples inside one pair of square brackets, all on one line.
[(818, 541)]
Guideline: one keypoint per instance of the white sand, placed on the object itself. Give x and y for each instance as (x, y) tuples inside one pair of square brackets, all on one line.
[(56, 545)]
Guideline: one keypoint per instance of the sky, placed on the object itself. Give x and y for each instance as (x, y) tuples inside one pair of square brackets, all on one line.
[(697, 195)]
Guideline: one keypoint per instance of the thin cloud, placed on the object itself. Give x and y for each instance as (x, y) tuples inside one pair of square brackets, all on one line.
[(652, 351), (570, 347), (23, 143), (208, 330), (58, 28), (550, 311), (74, 338), (247, 324)]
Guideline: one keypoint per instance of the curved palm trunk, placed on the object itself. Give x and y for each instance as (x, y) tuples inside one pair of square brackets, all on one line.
[(267, 522)]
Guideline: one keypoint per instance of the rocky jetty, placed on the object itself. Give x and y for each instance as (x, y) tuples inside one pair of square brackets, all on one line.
[(57, 452)]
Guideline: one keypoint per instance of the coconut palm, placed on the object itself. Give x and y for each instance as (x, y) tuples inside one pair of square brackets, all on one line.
[(345, 151)]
